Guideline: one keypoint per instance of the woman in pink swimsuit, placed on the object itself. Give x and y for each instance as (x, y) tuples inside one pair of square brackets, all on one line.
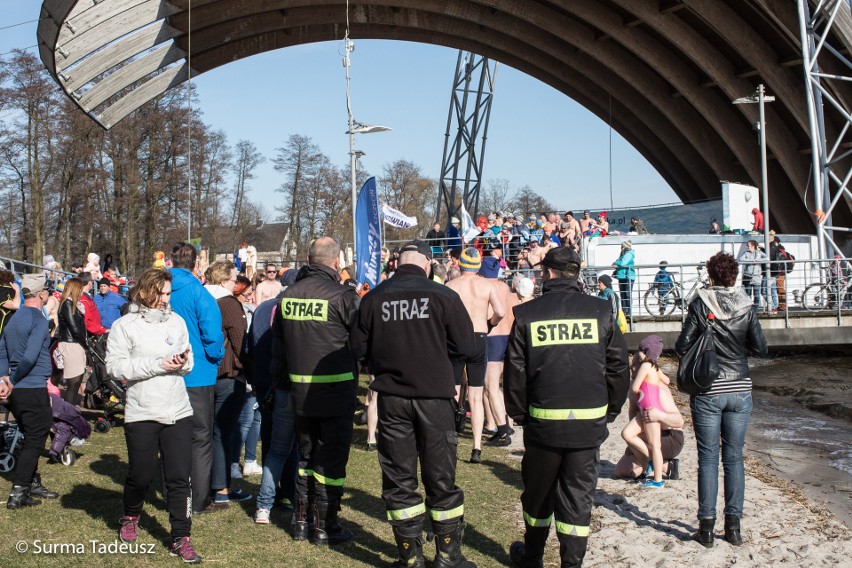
[(646, 386)]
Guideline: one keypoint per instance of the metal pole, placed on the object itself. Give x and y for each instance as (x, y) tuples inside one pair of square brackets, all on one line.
[(764, 189), (349, 46)]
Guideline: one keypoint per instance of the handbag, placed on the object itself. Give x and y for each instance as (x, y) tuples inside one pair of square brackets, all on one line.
[(699, 366), (621, 320)]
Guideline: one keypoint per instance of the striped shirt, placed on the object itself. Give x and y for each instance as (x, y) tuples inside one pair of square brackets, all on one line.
[(728, 383)]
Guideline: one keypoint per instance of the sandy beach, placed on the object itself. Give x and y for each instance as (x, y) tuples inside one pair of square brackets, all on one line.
[(642, 527)]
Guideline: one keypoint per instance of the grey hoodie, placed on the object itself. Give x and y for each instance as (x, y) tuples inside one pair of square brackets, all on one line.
[(726, 303), (752, 271)]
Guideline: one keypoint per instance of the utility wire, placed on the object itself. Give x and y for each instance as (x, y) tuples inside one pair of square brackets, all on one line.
[(24, 23), (18, 49)]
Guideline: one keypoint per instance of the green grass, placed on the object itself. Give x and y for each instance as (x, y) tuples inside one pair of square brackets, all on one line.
[(90, 506)]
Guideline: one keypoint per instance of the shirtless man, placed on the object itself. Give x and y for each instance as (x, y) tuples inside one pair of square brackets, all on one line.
[(586, 222), (479, 296), (574, 225), (497, 340), (634, 462), (269, 288)]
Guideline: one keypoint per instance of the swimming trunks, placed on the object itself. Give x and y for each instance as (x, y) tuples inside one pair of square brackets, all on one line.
[(496, 351), (475, 365)]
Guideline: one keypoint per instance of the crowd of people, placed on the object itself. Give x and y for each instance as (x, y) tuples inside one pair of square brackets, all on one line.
[(207, 361)]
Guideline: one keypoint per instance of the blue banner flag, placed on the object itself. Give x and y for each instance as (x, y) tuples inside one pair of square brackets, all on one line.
[(368, 244)]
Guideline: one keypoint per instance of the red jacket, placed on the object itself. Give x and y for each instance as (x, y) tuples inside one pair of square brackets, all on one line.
[(92, 316)]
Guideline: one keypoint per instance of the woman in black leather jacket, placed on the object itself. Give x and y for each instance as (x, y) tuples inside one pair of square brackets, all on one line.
[(724, 410), (72, 338)]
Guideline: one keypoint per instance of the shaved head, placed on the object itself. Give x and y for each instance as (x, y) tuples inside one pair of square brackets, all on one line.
[(325, 251)]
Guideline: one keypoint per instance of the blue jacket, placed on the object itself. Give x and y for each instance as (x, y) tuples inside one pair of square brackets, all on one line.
[(203, 320), (259, 347), (109, 307), (453, 238), (25, 349), (624, 266)]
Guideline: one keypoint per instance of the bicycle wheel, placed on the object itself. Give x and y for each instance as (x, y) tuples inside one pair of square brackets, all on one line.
[(816, 297), (659, 304)]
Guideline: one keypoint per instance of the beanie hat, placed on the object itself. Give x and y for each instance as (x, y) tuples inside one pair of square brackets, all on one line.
[(470, 260), (104, 282), (627, 244), (652, 347), (606, 280), (525, 287), (490, 267)]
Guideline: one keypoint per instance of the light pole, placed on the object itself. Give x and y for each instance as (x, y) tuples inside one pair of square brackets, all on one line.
[(354, 128), (760, 98)]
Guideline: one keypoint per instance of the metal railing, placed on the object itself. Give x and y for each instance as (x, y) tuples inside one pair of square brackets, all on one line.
[(19, 267)]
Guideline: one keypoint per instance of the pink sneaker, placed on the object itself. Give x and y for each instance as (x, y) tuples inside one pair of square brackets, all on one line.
[(183, 547), (129, 525)]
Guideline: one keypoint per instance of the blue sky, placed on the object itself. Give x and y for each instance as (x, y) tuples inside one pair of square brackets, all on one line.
[(537, 136)]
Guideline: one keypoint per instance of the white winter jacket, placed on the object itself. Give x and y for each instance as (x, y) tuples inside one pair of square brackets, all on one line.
[(138, 343)]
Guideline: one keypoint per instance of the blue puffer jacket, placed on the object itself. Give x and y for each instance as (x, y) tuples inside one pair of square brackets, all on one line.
[(203, 322), (624, 266)]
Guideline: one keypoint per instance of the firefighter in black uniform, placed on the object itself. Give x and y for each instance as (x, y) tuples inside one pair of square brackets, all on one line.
[(566, 378), (310, 350), (408, 328)]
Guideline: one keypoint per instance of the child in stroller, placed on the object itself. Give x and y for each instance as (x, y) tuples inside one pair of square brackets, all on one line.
[(69, 429), (105, 391)]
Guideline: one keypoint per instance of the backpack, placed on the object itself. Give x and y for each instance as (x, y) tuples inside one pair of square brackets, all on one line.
[(784, 255)]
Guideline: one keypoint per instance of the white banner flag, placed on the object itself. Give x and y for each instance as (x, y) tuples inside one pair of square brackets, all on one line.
[(397, 218), (469, 229)]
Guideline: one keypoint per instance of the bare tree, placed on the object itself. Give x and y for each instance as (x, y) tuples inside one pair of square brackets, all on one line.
[(495, 196), (248, 158), (528, 202)]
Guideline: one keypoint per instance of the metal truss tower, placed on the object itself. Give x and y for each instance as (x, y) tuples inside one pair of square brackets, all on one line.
[(464, 152), (831, 152)]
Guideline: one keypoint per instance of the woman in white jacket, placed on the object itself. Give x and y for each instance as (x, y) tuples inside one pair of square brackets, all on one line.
[(149, 348)]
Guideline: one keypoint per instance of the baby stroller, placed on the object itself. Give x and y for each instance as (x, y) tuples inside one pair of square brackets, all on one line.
[(69, 429), (103, 391)]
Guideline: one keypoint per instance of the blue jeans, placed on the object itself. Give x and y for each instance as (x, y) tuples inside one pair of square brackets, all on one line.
[(752, 288), (229, 395), (247, 431), (281, 444), (725, 416), (770, 292)]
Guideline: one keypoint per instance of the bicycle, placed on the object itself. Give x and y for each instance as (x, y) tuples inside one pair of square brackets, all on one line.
[(661, 302), (825, 295)]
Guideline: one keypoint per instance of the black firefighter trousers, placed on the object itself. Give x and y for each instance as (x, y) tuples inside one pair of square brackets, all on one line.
[(421, 428), (560, 483), (324, 452)]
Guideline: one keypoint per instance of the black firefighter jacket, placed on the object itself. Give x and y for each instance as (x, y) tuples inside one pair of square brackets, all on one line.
[(309, 347), (566, 367), (408, 328)]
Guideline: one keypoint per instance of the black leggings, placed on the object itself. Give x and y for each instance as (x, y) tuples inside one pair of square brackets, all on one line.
[(174, 443), (72, 389)]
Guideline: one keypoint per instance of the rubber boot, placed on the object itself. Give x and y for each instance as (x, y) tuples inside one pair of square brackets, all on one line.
[(19, 497), (525, 557), (39, 490), (326, 530), (705, 535), (530, 553), (409, 543), (448, 537), (732, 530), (300, 518)]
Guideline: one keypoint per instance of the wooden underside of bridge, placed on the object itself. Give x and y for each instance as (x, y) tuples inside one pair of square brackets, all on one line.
[(666, 70)]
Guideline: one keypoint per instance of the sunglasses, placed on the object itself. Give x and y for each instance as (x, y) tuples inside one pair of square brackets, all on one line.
[(271, 271)]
